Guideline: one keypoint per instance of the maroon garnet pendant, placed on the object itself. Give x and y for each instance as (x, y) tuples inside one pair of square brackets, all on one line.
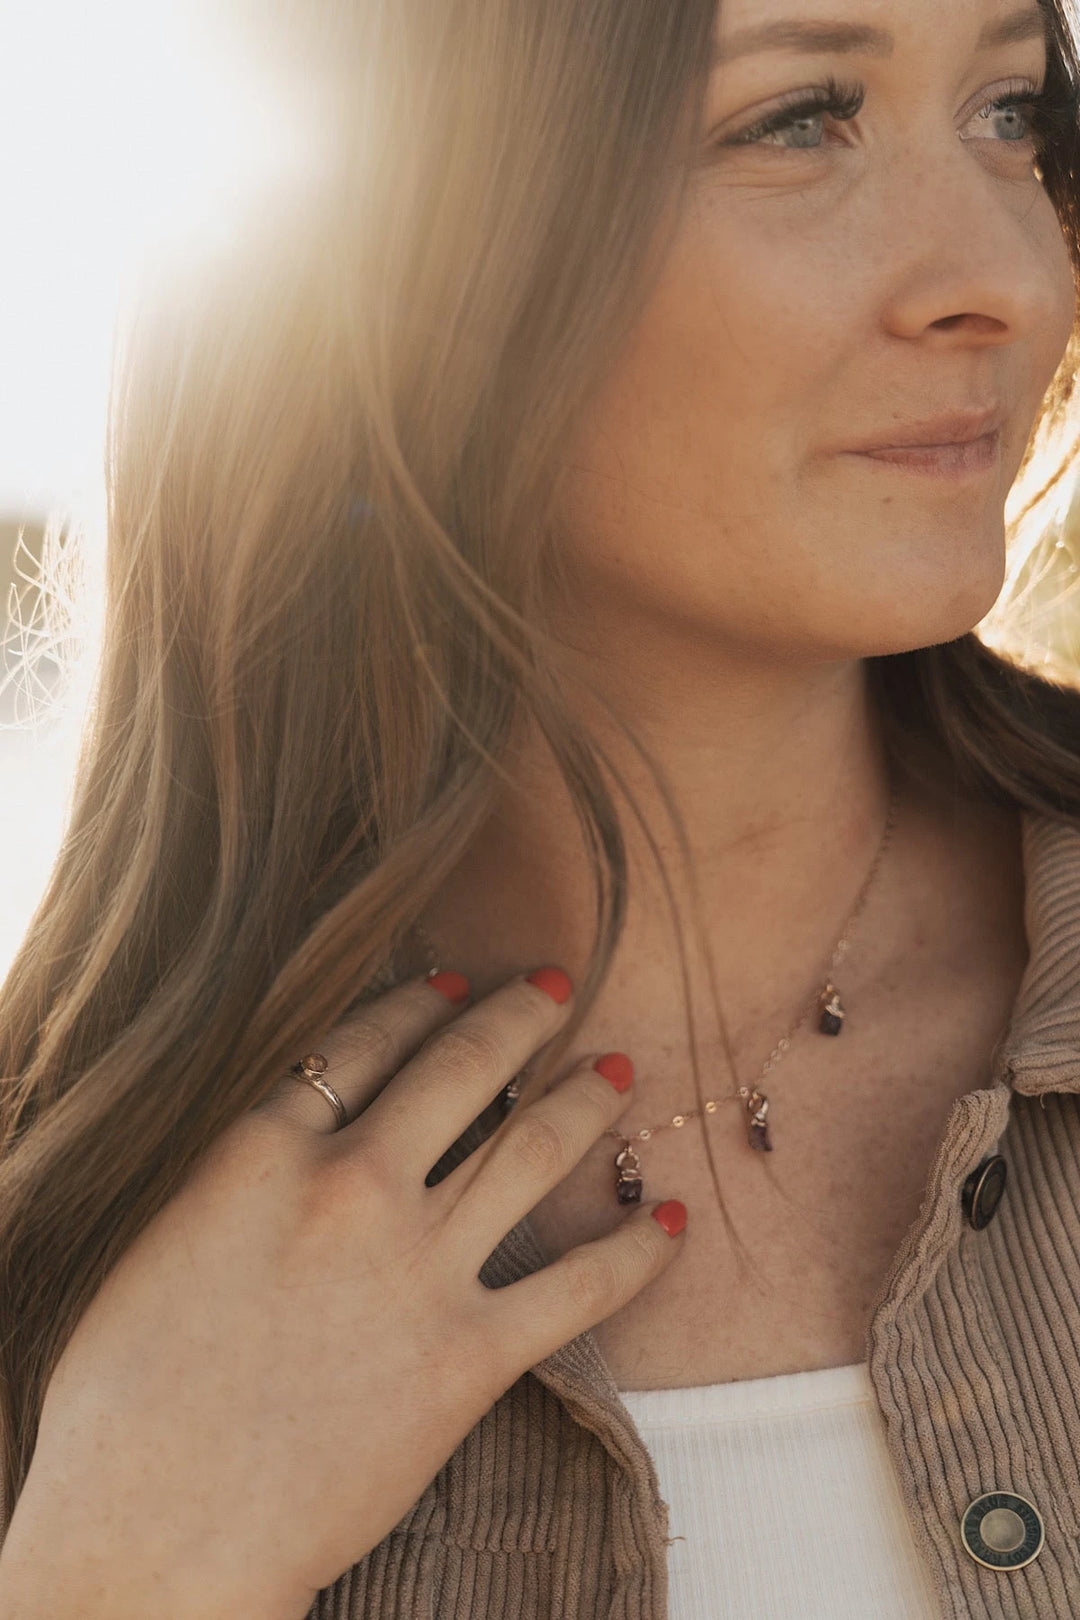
[(758, 1130), (628, 1182), (832, 1012)]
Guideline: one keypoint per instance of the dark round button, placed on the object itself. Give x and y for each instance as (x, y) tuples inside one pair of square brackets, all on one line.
[(1002, 1530), (983, 1189)]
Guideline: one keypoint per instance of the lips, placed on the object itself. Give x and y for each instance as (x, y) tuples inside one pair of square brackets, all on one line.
[(948, 428)]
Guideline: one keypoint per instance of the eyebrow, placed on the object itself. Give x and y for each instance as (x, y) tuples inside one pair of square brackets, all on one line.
[(832, 37)]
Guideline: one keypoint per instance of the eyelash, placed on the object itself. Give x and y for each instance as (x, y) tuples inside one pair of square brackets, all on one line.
[(1050, 110)]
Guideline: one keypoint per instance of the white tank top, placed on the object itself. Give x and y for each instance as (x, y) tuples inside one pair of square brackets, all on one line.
[(787, 1499)]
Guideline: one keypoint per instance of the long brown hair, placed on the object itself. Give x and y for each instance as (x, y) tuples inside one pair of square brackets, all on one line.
[(331, 458)]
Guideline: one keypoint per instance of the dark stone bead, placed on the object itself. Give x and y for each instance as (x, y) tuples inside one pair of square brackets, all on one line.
[(628, 1192), (830, 1024), (759, 1138)]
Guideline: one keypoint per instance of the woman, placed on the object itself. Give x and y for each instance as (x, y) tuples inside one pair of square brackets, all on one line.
[(543, 570)]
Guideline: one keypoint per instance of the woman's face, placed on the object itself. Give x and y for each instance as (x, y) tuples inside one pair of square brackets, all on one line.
[(885, 270)]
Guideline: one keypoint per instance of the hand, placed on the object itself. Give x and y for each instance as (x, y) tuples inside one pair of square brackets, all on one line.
[(283, 1360)]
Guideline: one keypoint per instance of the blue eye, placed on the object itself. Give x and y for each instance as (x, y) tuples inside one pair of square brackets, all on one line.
[(1030, 117), (803, 117), (1012, 121), (805, 131)]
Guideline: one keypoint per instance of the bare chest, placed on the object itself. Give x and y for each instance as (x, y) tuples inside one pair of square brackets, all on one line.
[(785, 1276), (819, 1219)]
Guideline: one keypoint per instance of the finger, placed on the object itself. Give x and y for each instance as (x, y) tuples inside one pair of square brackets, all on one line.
[(531, 1152), (367, 1048), (437, 1095), (538, 1314)]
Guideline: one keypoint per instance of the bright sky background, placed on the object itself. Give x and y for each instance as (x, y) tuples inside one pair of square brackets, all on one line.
[(129, 130), (127, 127)]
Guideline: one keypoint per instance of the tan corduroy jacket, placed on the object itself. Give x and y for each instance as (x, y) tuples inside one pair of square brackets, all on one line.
[(550, 1509)]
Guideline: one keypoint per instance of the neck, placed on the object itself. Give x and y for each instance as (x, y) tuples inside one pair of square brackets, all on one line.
[(779, 775)]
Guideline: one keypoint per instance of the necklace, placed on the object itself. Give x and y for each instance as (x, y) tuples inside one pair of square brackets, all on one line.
[(629, 1183)]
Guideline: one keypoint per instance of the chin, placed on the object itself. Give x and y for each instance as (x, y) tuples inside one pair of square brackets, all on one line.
[(932, 589), (925, 619)]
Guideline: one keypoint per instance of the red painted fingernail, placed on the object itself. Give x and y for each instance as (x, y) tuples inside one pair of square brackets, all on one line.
[(454, 986), (553, 982), (672, 1216), (616, 1067)]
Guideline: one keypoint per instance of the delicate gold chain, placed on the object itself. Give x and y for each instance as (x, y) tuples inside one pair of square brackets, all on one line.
[(840, 950)]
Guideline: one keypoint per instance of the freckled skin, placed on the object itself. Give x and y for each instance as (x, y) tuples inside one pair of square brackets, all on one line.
[(909, 264)]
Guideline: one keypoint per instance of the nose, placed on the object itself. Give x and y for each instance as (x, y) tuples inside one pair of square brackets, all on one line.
[(976, 260)]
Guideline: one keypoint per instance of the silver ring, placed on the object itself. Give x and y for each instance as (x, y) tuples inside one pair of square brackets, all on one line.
[(311, 1069)]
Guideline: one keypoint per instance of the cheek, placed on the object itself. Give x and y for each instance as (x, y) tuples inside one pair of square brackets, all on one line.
[(695, 496), (707, 399), (684, 494), (706, 412), (1048, 343), (1060, 331)]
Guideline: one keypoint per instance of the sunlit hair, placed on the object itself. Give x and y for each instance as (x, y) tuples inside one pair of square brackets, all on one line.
[(332, 462)]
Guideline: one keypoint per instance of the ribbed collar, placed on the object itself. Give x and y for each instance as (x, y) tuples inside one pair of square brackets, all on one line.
[(1041, 1051)]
